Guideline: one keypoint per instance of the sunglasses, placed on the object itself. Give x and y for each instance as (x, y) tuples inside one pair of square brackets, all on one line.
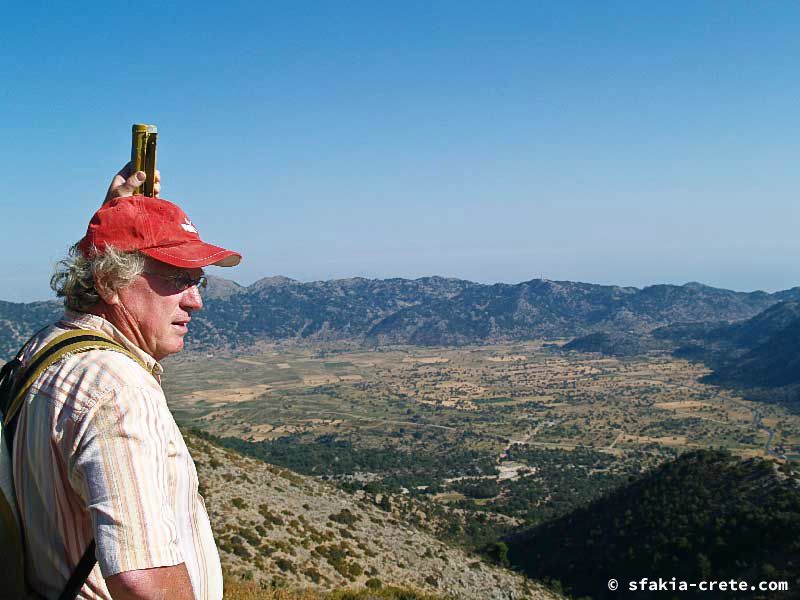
[(182, 281)]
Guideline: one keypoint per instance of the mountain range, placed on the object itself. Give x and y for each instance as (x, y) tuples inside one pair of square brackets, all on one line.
[(427, 311)]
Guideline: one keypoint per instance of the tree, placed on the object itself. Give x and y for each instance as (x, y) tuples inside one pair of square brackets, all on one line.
[(499, 552), (704, 567)]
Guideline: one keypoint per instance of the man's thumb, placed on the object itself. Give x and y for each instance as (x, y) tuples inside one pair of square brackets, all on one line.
[(135, 180)]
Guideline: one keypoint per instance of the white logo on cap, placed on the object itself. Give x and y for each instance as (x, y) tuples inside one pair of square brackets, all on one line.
[(189, 226)]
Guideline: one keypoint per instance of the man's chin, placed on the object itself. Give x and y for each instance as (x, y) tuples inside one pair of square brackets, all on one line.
[(176, 345)]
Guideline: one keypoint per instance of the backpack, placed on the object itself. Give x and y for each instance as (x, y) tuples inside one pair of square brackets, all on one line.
[(15, 381)]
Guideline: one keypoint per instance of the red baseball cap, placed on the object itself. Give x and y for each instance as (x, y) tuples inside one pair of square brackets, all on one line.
[(155, 227)]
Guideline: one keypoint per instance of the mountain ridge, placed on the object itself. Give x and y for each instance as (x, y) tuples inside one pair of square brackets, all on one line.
[(426, 311)]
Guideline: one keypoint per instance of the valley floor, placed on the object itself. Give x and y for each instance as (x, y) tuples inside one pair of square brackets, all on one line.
[(463, 444)]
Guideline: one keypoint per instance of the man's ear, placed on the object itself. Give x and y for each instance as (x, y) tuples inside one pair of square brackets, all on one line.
[(107, 295)]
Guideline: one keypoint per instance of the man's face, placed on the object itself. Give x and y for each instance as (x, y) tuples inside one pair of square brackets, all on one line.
[(153, 312)]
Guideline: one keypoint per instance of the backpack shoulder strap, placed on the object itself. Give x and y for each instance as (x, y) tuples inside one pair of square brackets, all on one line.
[(70, 342), (80, 574), (8, 375)]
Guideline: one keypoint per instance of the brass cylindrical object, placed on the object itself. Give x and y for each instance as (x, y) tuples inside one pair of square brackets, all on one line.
[(143, 155)]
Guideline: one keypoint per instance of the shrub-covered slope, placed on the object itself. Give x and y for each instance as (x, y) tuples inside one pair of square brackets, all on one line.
[(276, 527), (706, 515)]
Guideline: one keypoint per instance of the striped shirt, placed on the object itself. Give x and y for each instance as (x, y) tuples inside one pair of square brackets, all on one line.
[(97, 455)]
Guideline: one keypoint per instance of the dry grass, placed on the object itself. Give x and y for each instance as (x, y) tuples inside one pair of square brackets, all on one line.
[(240, 590)]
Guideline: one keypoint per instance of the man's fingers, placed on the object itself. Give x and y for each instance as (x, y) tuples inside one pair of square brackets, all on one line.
[(131, 183), (122, 186), (125, 183)]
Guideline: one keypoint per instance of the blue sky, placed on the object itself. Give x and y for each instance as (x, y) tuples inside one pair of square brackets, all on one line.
[(614, 142)]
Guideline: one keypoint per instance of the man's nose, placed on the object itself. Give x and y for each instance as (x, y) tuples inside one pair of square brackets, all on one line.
[(192, 299)]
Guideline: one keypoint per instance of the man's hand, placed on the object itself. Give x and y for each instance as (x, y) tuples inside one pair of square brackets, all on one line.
[(125, 182), (160, 583)]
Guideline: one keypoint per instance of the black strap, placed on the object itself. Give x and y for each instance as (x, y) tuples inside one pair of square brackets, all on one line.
[(8, 381), (7, 374), (80, 574), (7, 378)]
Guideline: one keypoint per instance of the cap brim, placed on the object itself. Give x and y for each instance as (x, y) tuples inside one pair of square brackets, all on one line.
[(194, 254)]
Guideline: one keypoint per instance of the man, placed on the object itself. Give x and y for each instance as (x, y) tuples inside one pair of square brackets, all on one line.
[(97, 454)]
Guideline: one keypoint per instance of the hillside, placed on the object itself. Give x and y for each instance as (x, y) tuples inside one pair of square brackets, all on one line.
[(280, 528), (616, 344), (760, 354), (427, 311), (773, 363), (719, 343), (706, 515), (19, 321)]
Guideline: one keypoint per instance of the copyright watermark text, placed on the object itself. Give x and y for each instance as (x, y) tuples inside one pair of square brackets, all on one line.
[(677, 585)]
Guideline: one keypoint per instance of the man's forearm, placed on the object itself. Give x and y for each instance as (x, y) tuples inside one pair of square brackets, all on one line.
[(160, 583)]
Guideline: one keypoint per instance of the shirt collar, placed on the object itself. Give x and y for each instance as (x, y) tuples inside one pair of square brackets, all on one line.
[(80, 320)]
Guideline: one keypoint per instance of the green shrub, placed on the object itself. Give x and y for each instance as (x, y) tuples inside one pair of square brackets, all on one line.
[(344, 517), (240, 550), (284, 564), (374, 583)]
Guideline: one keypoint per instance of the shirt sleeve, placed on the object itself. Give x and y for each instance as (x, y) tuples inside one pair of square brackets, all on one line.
[(123, 464)]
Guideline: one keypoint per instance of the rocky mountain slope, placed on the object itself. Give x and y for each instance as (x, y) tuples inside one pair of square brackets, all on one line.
[(280, 528)]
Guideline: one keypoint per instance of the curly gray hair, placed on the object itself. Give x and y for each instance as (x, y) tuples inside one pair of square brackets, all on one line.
[(75, 275)]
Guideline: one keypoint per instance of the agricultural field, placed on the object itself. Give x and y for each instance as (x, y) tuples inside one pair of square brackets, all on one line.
[(519, 432)]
